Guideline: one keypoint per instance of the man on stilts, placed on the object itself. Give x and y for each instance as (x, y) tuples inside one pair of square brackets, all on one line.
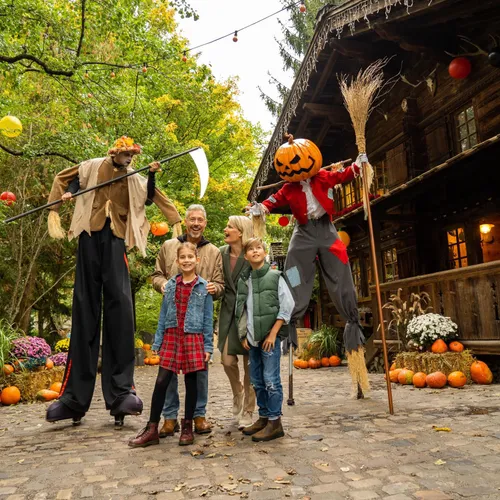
[(107, 221)]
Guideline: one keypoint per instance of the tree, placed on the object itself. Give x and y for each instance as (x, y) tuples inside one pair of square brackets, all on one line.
[(79, 75)]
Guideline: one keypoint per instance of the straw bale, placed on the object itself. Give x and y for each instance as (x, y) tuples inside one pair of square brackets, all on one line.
[(30, 382)]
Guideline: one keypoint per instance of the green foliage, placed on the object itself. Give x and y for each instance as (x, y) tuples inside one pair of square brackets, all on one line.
[(324, 342), (147, 310), (7, 334)]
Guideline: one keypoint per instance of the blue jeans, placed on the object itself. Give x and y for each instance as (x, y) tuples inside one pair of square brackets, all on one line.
[(265, 378), (171, 407)]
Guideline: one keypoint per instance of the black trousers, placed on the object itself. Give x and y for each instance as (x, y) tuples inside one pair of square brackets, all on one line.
[(102, 278)]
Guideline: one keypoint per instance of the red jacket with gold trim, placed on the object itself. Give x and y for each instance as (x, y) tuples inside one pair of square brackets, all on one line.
[(322, 187)]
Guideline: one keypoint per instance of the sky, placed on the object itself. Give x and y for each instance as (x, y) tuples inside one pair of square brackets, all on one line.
[(250, 59)]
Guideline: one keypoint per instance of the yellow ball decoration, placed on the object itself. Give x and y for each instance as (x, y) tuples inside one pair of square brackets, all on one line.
[(10, 126), (344, 237)]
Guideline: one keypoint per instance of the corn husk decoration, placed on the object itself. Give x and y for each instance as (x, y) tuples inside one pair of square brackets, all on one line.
[(258, 216)]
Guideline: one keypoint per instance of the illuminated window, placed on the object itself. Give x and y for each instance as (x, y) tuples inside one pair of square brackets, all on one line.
[(457, 249), (466, 128), (390, 257), (356, 276)]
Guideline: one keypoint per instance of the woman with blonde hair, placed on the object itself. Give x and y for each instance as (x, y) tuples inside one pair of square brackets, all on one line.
[(238, 230)]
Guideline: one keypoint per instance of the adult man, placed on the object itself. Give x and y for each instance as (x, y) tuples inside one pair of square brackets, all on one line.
[(107, 221), (209, 268)]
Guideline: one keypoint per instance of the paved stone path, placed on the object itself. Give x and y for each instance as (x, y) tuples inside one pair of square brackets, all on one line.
[(334, 448)]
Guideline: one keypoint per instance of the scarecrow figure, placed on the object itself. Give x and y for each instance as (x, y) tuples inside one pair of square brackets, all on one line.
[(107, 221), (308, 190)]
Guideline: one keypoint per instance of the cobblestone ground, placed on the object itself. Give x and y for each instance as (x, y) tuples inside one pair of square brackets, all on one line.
[(334, 448)]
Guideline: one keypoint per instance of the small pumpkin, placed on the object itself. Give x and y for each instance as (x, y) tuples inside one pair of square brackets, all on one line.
[(304, 364), (11, 395), (335, 361), (56, 387), (49, 364), (146, 347), (436, 380), (296, 363), (312, 362), (46, 395), (419, 380), (405, 377), (8, 369), (456, 346), (393, 375), (147, 361), (481, 373), (159, 228), (439, 346), (325, 362), (154, 360), (297, 159), (457, 379), (393, 367)]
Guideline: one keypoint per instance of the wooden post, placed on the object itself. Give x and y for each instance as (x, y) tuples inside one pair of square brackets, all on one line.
[(366, 191)]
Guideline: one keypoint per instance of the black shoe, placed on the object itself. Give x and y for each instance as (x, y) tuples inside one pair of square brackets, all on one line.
[(59, 411), (130, 405), (119, 420)]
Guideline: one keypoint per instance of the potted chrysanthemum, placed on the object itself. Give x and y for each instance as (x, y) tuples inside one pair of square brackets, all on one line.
[(424, 330)]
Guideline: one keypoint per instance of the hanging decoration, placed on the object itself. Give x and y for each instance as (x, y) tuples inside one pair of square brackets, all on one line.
[(113, 74), (144, 68), (459, 68), (235, 37), (283, 221), (494, 57), (344, 237), (8, 198), (302, 8), (10, 126), (184, 57), (159, 228)]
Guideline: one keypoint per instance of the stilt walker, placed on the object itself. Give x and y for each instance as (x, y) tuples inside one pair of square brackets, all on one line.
[(107, 221)]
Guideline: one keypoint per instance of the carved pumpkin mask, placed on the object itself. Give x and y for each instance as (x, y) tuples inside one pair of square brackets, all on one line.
[(297, 159)]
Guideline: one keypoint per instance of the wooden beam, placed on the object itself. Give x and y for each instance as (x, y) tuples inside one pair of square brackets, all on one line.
[(322, 133), (325, 75), (353, 49), (304, 122), (325, 110)]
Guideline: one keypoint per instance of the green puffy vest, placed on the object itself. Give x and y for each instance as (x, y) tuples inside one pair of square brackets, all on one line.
[(265, 302)]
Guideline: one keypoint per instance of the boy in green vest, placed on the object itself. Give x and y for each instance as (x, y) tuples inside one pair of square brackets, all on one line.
[(264, 304)]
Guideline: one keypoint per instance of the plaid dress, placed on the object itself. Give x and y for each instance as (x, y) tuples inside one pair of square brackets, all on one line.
[(181, 350)]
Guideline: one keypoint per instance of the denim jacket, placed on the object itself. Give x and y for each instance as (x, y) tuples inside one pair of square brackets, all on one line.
[(199, 313)]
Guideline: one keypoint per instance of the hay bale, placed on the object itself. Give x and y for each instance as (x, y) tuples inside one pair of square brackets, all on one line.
[(30, 382), (429, 362)]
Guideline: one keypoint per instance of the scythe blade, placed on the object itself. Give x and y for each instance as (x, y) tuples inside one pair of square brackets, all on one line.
[(201, 162)]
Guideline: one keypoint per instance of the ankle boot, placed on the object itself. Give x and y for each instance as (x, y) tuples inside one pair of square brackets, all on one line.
[(146, 437), (255, 427), (272, 430), (187, 436)]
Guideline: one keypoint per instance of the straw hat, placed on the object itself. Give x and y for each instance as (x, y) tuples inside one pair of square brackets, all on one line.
[(125, 144)]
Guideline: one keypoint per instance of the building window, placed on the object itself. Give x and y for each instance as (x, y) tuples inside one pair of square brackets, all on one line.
[(348, 195), (390, 257), (457, 249), (466, 128), (356, 276)]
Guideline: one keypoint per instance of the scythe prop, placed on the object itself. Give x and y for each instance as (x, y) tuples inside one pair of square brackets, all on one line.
[(197, 154)]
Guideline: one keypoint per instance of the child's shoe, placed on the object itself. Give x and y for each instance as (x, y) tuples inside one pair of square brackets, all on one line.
[(255, 427), (187, 436), (272, 430), (146, 437)]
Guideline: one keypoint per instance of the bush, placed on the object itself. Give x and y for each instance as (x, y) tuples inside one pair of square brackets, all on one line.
[(62, 346), (426, 329), (324, 342), (60, 359)]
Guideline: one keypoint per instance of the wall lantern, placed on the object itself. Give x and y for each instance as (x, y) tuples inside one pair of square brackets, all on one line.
[(485, 230)]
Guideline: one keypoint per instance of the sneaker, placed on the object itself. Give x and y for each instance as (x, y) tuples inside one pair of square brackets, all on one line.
[(245, 420), (238, 405)]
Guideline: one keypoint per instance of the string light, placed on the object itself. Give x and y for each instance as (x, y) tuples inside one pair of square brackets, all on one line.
[(144, 68), (112, 75), (235, 37), (184, 58), (302, 8)]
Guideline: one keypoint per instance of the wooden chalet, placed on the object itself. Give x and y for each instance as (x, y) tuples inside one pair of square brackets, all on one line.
[(434, 142)]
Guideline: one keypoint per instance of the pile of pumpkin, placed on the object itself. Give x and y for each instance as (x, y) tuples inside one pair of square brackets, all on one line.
[(150, 358), (317, 363)]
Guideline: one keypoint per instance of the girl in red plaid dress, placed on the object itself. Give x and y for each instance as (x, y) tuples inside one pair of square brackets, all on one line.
[(186, 321)]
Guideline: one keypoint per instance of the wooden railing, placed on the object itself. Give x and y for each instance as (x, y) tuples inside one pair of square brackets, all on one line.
[(469, 296)]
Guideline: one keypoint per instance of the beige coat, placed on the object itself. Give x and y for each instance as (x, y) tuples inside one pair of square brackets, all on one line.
[(209, 267)]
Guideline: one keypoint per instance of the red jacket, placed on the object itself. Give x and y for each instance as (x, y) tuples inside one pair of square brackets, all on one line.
[(322, 187)]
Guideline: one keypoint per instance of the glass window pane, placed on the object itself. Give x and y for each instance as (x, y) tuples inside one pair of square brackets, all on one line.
[(462, 132), (461, 118), (473, 140), (463, 250), (464, 145), (470, 113), (472, 127), (464, 262)]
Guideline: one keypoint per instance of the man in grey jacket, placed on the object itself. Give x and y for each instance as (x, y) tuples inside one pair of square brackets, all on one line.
[(210, 269)]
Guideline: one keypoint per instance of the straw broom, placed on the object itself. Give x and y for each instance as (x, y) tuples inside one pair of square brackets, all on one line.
[(359, 96)]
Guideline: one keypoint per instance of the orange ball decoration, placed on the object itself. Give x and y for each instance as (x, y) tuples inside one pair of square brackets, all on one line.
[(8, 198), (459, 68), (159, 228), (344, 238), (283, 221)]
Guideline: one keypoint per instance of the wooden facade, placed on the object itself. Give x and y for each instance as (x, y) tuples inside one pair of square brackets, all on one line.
[(434, 142)]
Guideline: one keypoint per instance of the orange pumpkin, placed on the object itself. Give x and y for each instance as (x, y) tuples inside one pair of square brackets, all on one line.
[(436, 380), (393, 375), (296, 363), (393, 367), (147, 361), (146, 347), (154, 360), (480, 373), (456, 346), (325, 362), (439, 346), (304, 364), (159, 228), (297, 160), (11, 395), (335, 361), (419, 380), (312, 363), (56, 387), (47, 395), (49, 364), (8, 369), (405, 377), (457, 379)]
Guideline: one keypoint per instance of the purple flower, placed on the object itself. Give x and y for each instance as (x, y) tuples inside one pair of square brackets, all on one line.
[(30, 347), (60, 358)]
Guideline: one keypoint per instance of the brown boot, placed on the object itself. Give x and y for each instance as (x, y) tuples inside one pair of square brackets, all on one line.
[(255, 427), (170, 426), (187, 436), (272, 430), (201, 426), (146, 437)]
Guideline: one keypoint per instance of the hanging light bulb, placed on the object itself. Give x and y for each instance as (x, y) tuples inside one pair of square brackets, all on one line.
[(302, 8), (112, 75), (235, 37), (86, 75), (144, 68), (184, 58)]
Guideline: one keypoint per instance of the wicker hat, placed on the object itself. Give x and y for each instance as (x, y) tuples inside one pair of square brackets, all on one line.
[(125, 144)]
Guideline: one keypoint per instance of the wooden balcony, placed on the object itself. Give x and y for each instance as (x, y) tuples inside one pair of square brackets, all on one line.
[(469, 296)]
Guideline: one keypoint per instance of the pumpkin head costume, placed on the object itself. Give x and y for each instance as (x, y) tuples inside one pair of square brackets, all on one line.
[(309, 191), (107, 221)]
